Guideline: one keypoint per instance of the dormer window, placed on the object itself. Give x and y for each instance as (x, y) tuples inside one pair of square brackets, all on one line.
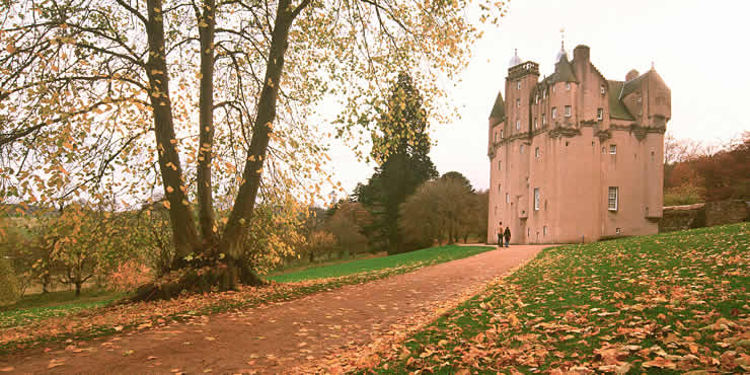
[(554, 113), (568, 111), (567, 86), (518, 86), (502, 133), (612, 149), (603, 90), (600, 114), (544, 94)]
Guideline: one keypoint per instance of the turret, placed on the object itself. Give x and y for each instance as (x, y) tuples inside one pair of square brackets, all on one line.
[(521, 80)]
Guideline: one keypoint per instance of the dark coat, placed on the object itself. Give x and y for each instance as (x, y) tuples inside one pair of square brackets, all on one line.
[(507, 234)]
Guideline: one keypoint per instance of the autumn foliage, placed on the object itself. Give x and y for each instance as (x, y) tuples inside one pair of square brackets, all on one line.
[(694, 173)]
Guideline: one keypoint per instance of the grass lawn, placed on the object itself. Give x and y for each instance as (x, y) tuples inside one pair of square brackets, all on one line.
[(39, 306), (668, 303), (423, 257)]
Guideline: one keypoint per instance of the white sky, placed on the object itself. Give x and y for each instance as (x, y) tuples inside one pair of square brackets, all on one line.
[(701, 49)]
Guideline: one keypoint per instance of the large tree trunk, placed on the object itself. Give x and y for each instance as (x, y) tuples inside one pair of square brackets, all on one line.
[(183, 226), (262, 127), (206, 27)]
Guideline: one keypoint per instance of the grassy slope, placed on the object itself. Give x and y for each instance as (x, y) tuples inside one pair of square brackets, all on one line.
[(424, 256), (40, 306), (667, 303)]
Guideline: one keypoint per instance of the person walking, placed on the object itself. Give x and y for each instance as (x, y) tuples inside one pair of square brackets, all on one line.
[(506, 234), (500, 234)]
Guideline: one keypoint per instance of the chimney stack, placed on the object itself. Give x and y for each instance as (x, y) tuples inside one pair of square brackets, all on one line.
[(581, 53)]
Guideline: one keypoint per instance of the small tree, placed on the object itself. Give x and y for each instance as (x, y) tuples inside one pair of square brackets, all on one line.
[(440, 210), (346, 224)]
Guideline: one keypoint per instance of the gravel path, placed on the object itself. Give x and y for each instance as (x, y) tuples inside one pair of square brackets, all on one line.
[(281, 337)]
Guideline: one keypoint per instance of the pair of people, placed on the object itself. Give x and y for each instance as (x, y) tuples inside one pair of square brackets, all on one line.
[(503, 234)]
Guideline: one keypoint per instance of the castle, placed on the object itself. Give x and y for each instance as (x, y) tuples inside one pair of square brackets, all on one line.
[(576, 157)]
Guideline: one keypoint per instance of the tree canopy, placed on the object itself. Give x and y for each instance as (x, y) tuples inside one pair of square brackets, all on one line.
[(203, 103)]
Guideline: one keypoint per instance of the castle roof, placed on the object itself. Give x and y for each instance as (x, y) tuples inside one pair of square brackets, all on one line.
[(515, 60), (616, 108), (563, 71), (498, 109), (630, 86)]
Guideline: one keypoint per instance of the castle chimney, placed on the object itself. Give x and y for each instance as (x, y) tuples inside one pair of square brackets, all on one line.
[(581, 53), (632, 74)]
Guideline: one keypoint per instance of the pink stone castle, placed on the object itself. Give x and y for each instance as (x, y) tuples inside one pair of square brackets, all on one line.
[(576, 157)]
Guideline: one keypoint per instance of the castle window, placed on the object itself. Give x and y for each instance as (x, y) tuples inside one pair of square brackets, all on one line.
[(499, 165), (537, 153), (544, 230), (568, 111), (603, 90), (612, 149), (536, 123), (507, 198), (544, 119), (496, 136), (536, 99), (518, 86), (553, 88), (502, 133), (544, 94), (567, 86), (600, 114), (518, 102), (521, 148), (554, 113), (612, 196), (518, 124), (640, 99), (499, 188), (536, 199)]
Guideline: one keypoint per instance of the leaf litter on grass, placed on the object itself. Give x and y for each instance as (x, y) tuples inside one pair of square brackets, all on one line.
[(670, 303)]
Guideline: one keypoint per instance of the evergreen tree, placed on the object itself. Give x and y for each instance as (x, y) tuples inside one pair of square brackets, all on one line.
[(400, 147)]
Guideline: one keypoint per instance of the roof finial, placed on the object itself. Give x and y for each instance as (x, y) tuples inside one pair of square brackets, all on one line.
[(652, 64), (562, 38)]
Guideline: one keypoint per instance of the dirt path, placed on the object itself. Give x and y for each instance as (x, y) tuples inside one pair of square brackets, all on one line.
[(276, 338)]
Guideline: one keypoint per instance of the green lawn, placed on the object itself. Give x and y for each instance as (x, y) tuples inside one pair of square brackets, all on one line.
[(429, 256), (669, 303), (54, 304)]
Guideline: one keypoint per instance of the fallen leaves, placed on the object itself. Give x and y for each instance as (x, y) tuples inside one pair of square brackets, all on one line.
[(678, 303)]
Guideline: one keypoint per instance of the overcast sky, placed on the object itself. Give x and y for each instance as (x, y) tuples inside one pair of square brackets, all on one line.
[(700, 49)]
